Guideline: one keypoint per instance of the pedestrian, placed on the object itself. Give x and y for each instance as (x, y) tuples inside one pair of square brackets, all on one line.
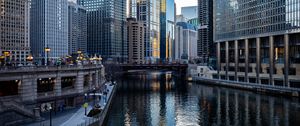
[(105, 93), (46, 107), (63, 107)]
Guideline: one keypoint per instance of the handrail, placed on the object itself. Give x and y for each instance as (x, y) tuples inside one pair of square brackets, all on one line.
[(46, 68), (18, 107)]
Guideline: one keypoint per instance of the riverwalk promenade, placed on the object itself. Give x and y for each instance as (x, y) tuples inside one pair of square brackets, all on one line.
[(77, 117)]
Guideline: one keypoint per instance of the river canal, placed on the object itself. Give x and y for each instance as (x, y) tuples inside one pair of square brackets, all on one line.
[(155, 98)]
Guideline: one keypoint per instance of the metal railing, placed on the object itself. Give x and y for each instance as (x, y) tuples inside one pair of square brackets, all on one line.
[(47, 68), (101, 115), (12, 105), (254, 85)]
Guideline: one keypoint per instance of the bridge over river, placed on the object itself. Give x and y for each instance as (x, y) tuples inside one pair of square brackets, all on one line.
[(180, 68)]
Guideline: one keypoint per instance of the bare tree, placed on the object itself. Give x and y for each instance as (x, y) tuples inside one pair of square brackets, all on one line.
[(112, 70)]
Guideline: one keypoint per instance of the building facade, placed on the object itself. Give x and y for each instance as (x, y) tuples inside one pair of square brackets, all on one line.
[(181, 18), (49, 29), (14, 37), (185, 42), (167, 28), (205, 45), (24, 92), (258, 41), (107, 34), (148, 11), (190, 12), (77, 29), (193, 21), (136, 43)]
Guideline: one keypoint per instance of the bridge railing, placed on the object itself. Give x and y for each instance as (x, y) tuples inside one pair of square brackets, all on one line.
[(47, 68)]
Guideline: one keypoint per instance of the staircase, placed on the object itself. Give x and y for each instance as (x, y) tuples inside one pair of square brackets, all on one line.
[(14, 113)]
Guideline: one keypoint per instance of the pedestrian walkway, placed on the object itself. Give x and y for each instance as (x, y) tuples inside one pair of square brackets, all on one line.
[(80, 118), (77, 116)]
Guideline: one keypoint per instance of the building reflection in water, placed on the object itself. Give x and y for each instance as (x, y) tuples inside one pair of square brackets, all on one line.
[(234, 107), (154, 98)]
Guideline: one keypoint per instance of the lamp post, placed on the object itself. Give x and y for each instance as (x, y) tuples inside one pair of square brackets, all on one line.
[(100, 59), (96, 60), (79, 51), (94, 90), (6, 54), (29, 59), (79, 58), (2, 58), (47, 50), (50, 108)]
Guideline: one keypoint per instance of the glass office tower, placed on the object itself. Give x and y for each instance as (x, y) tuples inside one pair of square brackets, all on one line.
[(107, 31), (147, 11), (258, 41), (77, 28), (189, 12), (49, 29), (167, 20)]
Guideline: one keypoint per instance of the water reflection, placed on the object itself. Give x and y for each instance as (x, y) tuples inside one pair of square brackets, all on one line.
[(158, 99)]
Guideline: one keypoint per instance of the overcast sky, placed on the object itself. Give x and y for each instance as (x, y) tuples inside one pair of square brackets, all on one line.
[(179, 4)]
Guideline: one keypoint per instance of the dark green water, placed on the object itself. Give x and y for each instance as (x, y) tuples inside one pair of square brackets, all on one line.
[(160, 99)]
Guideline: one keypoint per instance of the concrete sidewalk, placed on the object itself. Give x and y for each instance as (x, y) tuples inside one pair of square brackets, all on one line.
[(75, 116), (80, 118)]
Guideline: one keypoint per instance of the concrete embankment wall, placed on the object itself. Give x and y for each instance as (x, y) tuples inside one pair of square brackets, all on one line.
[(275, 90), (106, 108)]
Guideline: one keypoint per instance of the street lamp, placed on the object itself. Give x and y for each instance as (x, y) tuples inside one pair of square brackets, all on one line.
[(100, 59), (47, 50), (97, 60), (79, 51), (2, 58), (94, 90), (79, 57), (6, 54), (50, 108), (29, 59)]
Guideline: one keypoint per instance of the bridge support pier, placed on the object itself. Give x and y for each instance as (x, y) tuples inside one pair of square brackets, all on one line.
[(57, 86), (79, 82), (28, 88)]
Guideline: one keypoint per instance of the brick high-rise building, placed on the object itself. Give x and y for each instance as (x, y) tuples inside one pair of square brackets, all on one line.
[(148, 11), (14, 27), (136, 43)]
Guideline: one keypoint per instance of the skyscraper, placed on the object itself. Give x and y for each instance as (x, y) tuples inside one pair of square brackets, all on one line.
[(185, 41), (194, 21), (77, 28), (107, 34), (180, 18), (49, 28), (258, 41), (14, 27), (167, 23), (148, 11), (190, 12), (205, 46), (136, 43)]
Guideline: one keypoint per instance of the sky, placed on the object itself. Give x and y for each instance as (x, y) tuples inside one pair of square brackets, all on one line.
[(179, 4), (184, 3)]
